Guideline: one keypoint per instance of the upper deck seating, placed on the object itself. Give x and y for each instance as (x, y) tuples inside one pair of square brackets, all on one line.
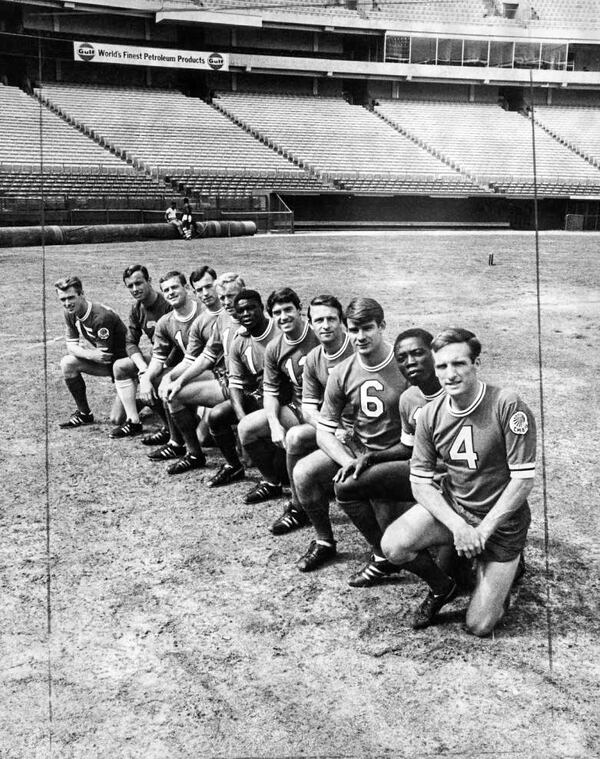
[(332, 137), (488, 142), (578, 126)]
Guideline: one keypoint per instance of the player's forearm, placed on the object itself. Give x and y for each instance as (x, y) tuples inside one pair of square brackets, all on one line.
[(398, 452), (155, 367), (236, 398), (512, 498), (96, 355), (310, 414), (334, 448), (191, 371), (431, 499), (139, 361), (272, 407)]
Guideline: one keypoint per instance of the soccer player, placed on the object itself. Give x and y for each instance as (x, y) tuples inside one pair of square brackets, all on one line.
[(370, 383), (486, 438), (149, 306), (263, 433), (311, 469), (95, 338), (194, 388), (385, 474), (172, 334), (246, 364)]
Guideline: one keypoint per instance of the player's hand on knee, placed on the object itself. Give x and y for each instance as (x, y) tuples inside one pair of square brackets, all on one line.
[(278, 436), (467, 541), (345, 471), (168, 390), (362, 462)]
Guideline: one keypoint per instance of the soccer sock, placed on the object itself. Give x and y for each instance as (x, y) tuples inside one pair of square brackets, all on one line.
[(318, 513), (291, 459), (176, 438), (186, 422), (126, 390), (264, 457), (362, 515), (225, 439), (76, 386), (157, 407), (425, 567)]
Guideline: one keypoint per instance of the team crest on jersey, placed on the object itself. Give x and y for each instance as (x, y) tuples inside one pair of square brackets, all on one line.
[(518, 423), (103, 333)]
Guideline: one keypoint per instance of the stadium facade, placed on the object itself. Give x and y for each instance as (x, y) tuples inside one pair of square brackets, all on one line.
[(363, 112)]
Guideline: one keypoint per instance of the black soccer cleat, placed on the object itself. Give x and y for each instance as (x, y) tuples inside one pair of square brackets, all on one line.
[(264, 491), (77, 419), (157, 438), (129, 429), (187, 463), (292, 519), (167, 452), (317, 555), (226, 475), (373, 573), (427, 611)]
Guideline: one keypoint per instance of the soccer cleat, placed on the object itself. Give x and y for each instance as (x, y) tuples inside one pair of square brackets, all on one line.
[(77, 419), (157, 438), (225, 475), (264, 491), (292, 519), (187, 463), (430, 607), (373, 573), (167, 452), (317, 555), (129, 429)]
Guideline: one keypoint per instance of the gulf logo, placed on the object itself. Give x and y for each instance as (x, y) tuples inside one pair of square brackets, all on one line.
[(86, 51), (215, 61)]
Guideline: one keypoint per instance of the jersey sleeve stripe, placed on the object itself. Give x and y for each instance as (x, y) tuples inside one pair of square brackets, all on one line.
[(74, 340), (326, 425), (406, 439), (236, 383), (421, 477), (272, 393), (529, 465), (522, 473), (310, 402)]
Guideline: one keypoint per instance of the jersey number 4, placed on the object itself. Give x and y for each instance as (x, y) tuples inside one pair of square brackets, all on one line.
[(462, 448)]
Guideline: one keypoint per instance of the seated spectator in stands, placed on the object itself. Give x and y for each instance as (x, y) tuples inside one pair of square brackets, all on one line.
[(171, 217), (187, 222), (96, 338)]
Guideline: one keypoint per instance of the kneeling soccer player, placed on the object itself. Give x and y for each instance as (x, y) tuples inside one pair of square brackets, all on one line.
[(95, 338), (486, 437)]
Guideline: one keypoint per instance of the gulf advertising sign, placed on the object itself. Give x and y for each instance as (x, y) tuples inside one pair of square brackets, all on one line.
[(132, 55)]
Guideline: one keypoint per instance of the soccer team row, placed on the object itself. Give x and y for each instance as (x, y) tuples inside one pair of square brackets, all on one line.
[(418, 451)]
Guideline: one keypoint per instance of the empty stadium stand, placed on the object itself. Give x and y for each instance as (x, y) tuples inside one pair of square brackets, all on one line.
[(339, 141), (578, 128), (177, 136), (491, 144)]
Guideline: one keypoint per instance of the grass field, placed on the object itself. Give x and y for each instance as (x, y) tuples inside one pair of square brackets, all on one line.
[(179, 627)]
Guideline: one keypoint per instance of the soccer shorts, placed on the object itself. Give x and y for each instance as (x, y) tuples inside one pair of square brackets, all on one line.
[(508, 541)]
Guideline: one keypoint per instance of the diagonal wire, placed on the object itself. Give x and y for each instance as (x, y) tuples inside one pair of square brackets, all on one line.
[(541, 375)]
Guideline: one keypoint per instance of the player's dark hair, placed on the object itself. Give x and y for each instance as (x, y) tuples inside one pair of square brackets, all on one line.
[(66, 282), (247, 295), (457, 335), (172, 275), (327, 300), (197, 274), (363, 310), (131, 270), (421, 334), (283, 295)]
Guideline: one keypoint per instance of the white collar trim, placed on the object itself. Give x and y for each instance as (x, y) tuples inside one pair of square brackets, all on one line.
[(473, 406), (185, 319), (379, 367), (299, 339), (337, 354)]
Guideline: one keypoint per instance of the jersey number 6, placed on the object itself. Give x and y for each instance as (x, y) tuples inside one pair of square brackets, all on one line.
[(371, 405)]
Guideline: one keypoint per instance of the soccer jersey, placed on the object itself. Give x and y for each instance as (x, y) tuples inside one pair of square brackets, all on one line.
[(142, 321), (200, 333), (247, 358), (173, 331), (284, 362), (317, 368), (483, 447), (373, 393), (216, 351), (101, 327), (412, 401)]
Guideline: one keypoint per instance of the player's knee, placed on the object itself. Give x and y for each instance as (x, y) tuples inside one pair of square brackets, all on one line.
[(303, 475), (122, 369), (479, 624), (247, 430), (396, 547), (348, 490), (69, 366), (219, 418), (294, 441)]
